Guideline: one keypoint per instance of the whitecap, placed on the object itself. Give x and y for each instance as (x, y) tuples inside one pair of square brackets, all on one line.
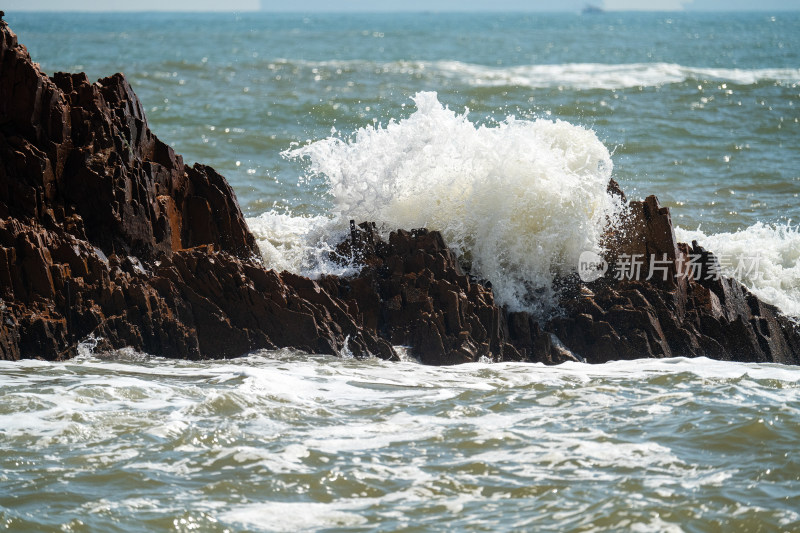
[(519, 201)]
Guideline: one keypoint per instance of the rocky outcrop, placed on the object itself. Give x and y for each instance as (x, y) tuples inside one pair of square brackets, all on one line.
[(105, 233), (672, 304), (80, 156), (413, 293)]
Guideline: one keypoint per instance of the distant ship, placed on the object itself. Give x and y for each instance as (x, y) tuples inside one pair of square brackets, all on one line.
[(591, 10)]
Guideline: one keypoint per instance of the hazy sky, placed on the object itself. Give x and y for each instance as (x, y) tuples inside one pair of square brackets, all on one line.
[(407, 5)]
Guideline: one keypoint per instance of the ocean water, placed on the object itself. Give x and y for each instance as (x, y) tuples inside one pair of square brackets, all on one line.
[(501, 131), (290, 442)]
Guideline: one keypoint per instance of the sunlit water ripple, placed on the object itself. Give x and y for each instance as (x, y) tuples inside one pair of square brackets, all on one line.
[(700, 109), (282, 441)]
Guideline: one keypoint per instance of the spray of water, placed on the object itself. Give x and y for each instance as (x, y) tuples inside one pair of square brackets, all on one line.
[(519, 201)]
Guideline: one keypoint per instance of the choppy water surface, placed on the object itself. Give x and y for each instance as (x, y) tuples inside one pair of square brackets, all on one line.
[(501, 131), (701, 109), (286, 442)]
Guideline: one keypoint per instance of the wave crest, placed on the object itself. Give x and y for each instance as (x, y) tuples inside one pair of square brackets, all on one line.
[(570, 75), (519, 201)]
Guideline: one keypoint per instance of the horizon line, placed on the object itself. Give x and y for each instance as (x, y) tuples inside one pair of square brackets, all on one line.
[(397, 12)]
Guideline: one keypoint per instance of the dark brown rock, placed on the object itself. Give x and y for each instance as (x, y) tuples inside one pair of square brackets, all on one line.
[(80, 155), (687, 309), (105, 233), (418, 296), (413, 293)]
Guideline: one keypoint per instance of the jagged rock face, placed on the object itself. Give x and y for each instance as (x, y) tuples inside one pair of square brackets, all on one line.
[(80, 155), (105, 232), (413, 293), (194, 303), (416, 295), (683, 309)]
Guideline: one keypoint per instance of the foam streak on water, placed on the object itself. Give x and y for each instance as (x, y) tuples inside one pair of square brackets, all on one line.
[(572, 75), (286, 442), (519, 201)]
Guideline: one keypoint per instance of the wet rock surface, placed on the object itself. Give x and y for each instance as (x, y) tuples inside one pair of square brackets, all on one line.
[(106, 234), (417, 295), (413, 293), (675, 304)]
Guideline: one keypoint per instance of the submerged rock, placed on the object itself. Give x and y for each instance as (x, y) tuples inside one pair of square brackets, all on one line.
[(105, 233)]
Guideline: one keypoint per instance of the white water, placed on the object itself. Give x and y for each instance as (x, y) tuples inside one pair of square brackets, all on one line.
[(765, 258), (282, 441), (571, 75), (520, 201), (299, 244), (602, 76)]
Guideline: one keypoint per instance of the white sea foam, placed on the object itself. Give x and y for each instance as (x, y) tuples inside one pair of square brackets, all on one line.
[(375, 442), (603, 76), (289, 516), (571, 75), (298, 244), (765, 258), (520, 200)]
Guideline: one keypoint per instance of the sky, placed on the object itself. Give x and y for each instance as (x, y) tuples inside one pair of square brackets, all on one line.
[(407, 5)]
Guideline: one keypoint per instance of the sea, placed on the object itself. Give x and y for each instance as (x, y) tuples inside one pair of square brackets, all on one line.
[(501, 130)]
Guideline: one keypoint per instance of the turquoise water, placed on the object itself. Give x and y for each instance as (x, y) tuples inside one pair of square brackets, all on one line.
[(700, 109)]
